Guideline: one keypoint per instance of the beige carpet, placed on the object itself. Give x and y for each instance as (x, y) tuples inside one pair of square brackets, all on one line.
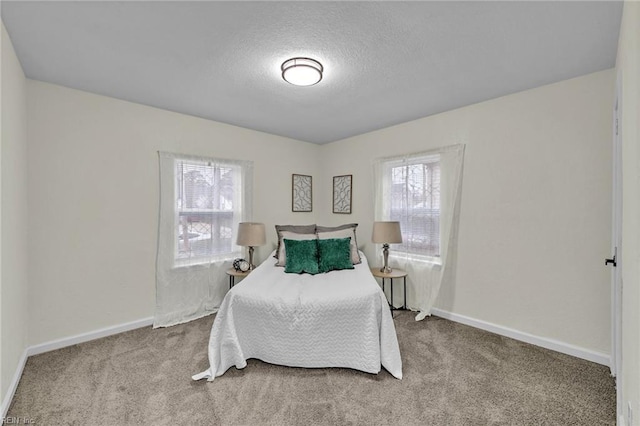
[(453, 375)]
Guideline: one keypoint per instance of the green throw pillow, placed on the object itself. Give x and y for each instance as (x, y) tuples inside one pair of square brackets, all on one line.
[(335, 254), (302, 256)]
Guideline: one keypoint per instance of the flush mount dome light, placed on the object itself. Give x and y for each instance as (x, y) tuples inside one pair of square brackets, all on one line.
[(302, 71)]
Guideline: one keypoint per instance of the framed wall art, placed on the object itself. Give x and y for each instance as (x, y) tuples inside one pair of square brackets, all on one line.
[(301, 193), (342, 194)]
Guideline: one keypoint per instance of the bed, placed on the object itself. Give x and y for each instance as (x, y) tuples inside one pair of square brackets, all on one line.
[(335, 319)]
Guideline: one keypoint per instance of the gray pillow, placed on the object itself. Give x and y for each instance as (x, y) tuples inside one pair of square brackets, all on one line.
[(335, 228), (298, 229)]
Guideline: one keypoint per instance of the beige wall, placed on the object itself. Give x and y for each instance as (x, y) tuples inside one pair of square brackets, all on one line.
[(93, 194), (13, 213), (628, 66), (536, 206)]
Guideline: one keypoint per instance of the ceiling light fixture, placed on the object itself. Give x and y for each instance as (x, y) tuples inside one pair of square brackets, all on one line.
[(302, 71)]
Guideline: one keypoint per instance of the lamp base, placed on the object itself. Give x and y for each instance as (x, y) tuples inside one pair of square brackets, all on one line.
[(251, 265), (386, 269)]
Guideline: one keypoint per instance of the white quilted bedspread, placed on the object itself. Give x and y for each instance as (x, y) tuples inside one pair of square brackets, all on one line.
[(337, 319)]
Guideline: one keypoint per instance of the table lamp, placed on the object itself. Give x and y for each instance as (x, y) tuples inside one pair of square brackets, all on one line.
[(251, 234), (386, 233)]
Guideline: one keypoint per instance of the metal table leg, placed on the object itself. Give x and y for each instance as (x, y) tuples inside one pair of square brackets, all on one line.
[(405, 292), (391, 279)]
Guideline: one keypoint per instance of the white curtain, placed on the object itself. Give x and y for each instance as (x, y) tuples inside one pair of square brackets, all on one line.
[(202, 200), (428, 221)]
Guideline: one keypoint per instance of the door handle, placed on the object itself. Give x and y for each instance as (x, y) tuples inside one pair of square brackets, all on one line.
[(613, 259)]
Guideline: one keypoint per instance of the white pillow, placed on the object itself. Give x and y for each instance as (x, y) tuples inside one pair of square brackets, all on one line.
[(282, 254), (344, 233)]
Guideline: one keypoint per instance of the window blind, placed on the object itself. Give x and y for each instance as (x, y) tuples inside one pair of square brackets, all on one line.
[(207, 197), (414, 201)]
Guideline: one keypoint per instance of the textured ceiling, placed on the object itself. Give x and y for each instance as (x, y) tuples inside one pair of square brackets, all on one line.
[(385, 62)]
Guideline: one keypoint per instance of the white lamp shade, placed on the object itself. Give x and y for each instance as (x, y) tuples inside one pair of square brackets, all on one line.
[(386, 233), (251, 234)]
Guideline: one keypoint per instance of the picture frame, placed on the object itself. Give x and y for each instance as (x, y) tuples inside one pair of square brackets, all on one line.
[(301, 193), (342, 194)]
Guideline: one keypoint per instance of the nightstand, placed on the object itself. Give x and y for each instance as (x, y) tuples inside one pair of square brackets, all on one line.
[(233, 274), (395, 273)]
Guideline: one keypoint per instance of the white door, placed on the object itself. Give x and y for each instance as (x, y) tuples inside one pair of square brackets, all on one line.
[(616, 240)]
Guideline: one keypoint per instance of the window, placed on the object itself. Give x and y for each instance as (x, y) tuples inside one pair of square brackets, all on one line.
[(412, 188), (202, 201), (422, 192), (209, 205)]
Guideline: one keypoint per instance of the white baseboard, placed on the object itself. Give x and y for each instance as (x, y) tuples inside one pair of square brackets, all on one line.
[(554, 345), (6, 402), (85, 337), (63, 343)]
